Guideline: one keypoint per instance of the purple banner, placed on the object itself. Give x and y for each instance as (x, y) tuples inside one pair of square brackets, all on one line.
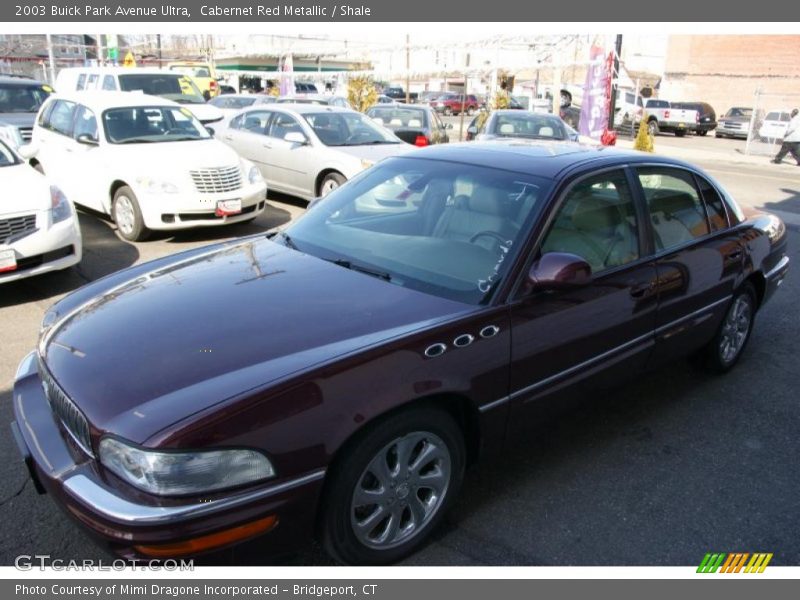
[(594, 108)]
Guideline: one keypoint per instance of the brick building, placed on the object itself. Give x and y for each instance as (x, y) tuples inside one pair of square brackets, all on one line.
[(726, 70)]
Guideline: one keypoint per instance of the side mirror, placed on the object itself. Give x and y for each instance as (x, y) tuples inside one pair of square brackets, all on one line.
[(87, 139), (559, 271), (211, 131), (295, 137), (28, 151)]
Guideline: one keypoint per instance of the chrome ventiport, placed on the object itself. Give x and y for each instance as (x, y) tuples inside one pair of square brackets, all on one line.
[(435, 350), (463, 340), (489, 331)]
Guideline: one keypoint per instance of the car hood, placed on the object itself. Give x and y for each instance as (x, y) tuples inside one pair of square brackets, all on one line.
[(24, 190), (374, 152), (735, 119), (21, 119), (205, 113), (193, 333)]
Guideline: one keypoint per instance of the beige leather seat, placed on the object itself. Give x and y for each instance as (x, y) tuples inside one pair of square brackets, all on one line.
[(481, 211)]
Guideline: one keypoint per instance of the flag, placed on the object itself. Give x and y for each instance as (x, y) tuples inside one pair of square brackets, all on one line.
[(595, 106), (287, 76)]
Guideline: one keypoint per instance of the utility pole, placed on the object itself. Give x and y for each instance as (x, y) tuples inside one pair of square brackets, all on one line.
[(408, 69), (614, 75), (100, 49), (158, 41), (51, 59)]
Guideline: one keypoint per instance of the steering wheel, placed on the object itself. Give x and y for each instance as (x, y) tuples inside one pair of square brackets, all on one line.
[(487, 233), (358, 134)]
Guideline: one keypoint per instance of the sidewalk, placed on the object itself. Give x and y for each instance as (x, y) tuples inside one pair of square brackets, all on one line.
[(695, 155)]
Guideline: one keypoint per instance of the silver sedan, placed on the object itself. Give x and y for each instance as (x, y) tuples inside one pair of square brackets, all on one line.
[(308, 150)]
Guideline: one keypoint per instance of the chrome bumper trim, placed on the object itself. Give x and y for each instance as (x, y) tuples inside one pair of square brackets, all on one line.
[(111, 506), (782, 264)]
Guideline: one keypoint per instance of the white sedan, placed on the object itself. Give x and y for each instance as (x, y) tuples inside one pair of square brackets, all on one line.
[(308, 150), (38, 226)]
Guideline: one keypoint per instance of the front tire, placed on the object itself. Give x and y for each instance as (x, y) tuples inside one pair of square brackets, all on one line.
[(128, 216), (330, 182), (724, 351), (392, 487), (652, 128), (448, 112)]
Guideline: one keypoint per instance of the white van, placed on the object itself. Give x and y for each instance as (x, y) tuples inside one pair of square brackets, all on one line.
[(146, 161), (155, 82)]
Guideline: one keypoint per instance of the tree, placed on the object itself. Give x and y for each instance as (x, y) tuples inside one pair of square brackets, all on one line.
[(644, 141), (361, 92)]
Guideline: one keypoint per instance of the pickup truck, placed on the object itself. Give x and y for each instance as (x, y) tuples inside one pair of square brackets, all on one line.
[(398, 94), (662, 116)]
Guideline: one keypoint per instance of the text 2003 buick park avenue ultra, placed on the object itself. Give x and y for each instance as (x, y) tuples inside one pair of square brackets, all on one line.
[(334, 379)]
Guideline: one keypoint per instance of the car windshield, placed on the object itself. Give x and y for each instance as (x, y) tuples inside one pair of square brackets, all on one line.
[(143, 124), (15, 98), (7, 157), (171, 86), (348, 129), (194, 71), (228, 102), (398, 117), (740, 112), (778, 116), (440, 227), (534, 126)]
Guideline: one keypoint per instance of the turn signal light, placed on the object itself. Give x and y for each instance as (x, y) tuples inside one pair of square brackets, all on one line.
[(211, 541)]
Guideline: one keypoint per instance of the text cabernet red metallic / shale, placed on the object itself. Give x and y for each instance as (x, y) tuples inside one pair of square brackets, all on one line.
[(205, 10)]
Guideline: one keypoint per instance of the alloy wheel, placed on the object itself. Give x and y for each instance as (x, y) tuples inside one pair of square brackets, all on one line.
[(124, 214), (735, 329)]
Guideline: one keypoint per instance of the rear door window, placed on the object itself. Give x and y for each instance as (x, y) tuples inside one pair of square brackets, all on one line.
[(109, 83), (61, 117), (674, 206)]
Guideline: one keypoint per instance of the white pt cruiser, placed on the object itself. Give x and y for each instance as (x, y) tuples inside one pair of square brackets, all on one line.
[(146, 161)]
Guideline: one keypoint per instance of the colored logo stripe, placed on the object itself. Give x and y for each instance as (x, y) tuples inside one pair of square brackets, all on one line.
[(733, 562)]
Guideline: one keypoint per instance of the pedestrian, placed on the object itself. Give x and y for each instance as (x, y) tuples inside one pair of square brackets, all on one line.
[(791, 140)]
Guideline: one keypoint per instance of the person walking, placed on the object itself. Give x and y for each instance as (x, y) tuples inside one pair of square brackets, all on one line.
[(791, 140)]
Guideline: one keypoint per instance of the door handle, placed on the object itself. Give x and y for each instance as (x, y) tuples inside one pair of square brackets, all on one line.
[(642, 290), (267, 145), (735, 255)]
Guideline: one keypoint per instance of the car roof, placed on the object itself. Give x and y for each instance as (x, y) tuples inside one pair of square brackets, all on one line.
[(538, 157), (101, 100), (20, 80), (399, 106), (303, 109), (123, 70)]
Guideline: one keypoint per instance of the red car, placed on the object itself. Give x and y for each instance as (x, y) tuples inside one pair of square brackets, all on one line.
[(334, 379), (453, 104)]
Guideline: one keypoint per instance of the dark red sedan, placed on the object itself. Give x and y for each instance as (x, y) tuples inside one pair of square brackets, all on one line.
[(334, 379)]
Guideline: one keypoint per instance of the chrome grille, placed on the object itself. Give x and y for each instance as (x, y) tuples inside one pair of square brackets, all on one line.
[(26, 133), (66, 411), (17, 226), (732, 125), (217, 180)]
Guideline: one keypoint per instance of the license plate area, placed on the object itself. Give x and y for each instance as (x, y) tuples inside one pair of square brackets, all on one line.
[(8, 260), (226, 208)]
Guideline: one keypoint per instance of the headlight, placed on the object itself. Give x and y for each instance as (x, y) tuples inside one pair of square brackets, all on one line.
[(157, 186), (60, 208), (177, 473), (11, 135), (254, 175)]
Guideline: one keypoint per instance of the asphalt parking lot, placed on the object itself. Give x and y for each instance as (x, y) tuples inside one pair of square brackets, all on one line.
[(657, 472)]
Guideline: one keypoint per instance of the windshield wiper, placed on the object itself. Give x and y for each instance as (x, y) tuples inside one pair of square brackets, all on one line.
[(136, 141), (343, 262), (287, 240)]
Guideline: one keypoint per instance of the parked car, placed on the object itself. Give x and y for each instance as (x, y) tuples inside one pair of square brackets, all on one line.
[(227, 89), (156, 82), (661, 116), (203, 74), (321, 99), (385, 100), (305, 88), (453, 104), (230, 104), (398, 94), (508, 123), (146, 161), (707, 117), (418, 125), (628, 108), (20, 100), (412, 322), (39, 230), (774, 126), (309, 150), (736, 122)]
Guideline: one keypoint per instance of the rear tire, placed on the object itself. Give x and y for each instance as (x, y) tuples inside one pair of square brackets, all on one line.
[(724, 351), (704, 132), (652, 127), (128, 216), (392, 487), (330, 182), (470, 111), (448, 112), (680, 133)]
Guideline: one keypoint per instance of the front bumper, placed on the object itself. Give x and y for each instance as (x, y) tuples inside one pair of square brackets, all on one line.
[(192, 209), (49, 248), (121, 518), (733, 131)]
